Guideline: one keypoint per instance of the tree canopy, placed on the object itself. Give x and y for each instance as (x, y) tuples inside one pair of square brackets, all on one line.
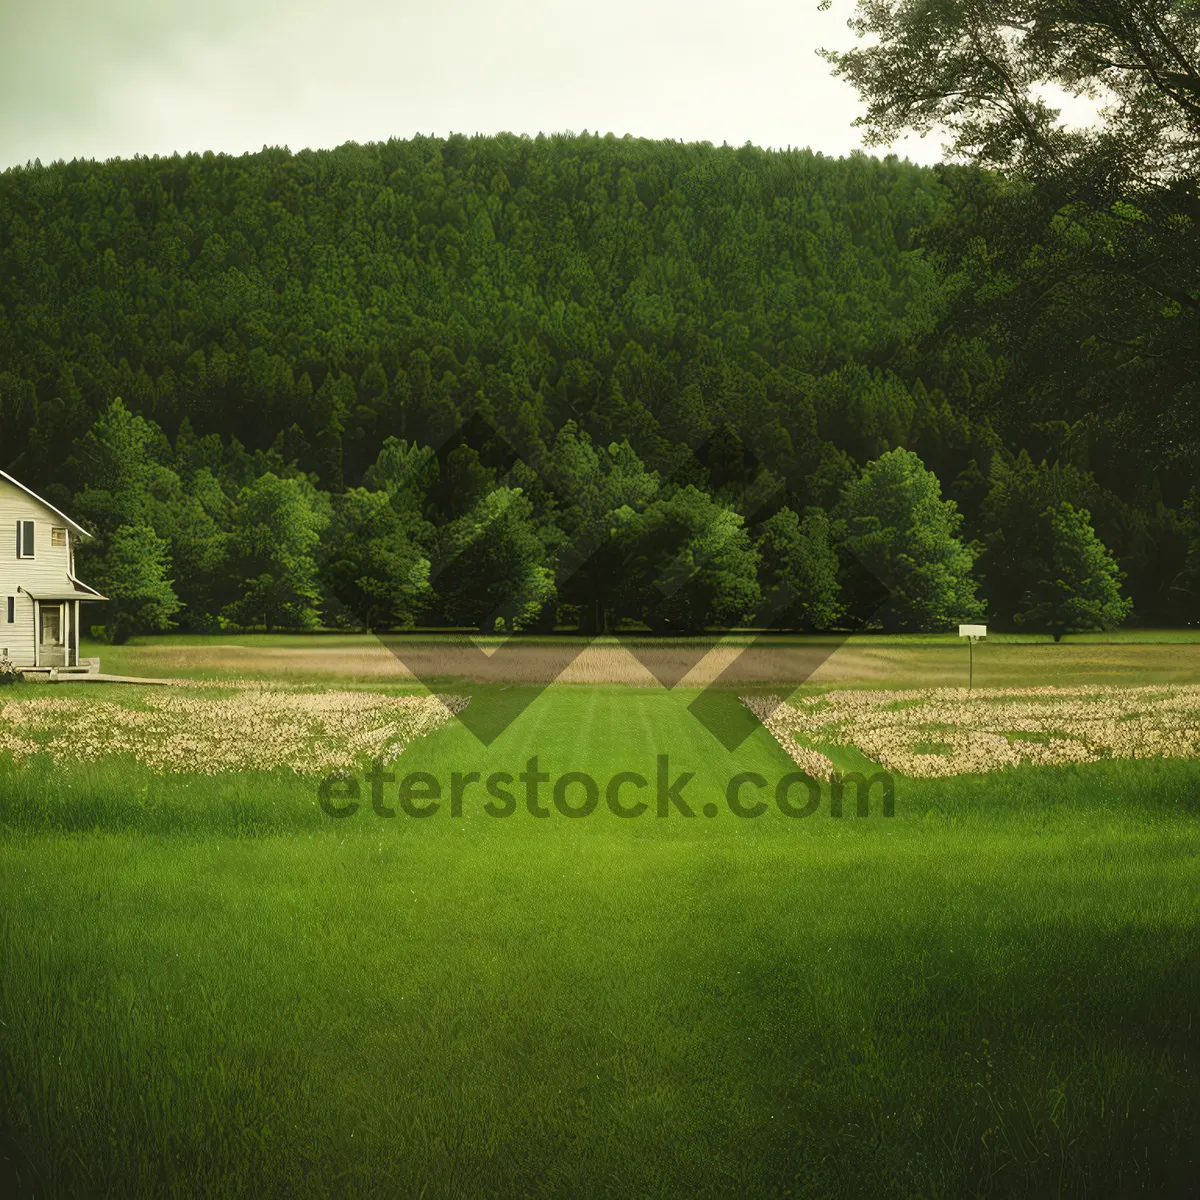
[(1077, 585), (903, 532)]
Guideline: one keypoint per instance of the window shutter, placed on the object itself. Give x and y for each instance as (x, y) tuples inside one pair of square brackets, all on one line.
[(28, 538)]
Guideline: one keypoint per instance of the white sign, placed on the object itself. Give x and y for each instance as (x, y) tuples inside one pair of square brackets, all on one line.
[(972, 631)]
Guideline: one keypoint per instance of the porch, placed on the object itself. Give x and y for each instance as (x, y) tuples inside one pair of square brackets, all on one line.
[(56, 625)]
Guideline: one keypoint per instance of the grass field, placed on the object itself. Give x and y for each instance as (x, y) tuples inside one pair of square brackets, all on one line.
[(1126, 658), (210, 986)]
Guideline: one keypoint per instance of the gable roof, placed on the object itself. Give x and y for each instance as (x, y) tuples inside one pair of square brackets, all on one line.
[(45, 504)]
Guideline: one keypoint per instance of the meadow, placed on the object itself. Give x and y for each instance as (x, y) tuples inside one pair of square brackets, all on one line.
[(210, 985), (1124, 658)]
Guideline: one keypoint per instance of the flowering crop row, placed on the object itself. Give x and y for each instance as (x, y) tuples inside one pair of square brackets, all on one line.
[(953, 731), (236, 727)]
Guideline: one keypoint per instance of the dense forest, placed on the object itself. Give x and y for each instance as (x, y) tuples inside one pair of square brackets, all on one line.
[(584, 380)]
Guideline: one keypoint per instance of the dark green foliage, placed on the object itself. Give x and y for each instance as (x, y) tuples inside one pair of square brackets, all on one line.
[(593, 484), (123, 463), (796, 554), (1186, 586), (686, 563), (1012, 519), (132, 573), (900, 530), (1077, 584), (277, 528), (406, 472), (375, 575), (197, 526), (649, 288), (1072, 256), (492, 566), (723, 316)]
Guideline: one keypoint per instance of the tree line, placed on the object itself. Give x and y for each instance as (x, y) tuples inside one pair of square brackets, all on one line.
[(202, 533)]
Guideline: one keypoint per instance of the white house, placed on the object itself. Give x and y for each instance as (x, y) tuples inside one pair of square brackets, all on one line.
[(39, 594)]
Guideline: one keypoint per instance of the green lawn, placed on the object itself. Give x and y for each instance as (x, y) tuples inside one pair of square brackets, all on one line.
[(209, 986)]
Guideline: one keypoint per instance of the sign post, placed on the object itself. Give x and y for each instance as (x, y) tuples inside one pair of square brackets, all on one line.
[(972, 633)]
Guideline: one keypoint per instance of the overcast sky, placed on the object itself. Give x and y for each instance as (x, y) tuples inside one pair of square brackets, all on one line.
[(106, 78)]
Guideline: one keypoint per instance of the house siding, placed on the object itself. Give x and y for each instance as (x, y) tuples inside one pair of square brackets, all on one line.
[(46, 571)]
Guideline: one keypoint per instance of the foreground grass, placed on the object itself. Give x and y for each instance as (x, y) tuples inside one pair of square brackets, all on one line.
[(211, 987)]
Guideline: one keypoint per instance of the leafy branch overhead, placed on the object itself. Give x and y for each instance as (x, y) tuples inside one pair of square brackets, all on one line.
[(983, 70), (1074, 250)]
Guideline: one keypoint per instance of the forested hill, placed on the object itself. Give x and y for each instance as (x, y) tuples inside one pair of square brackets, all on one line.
[(653, 289), (286, 314)]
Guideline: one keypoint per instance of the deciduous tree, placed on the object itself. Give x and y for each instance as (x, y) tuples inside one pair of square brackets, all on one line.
[(796, 554), (277, 528), (900, 530), (133, 574), (687, 563)]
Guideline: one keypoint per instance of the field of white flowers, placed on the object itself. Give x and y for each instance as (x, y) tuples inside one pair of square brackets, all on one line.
[(220, 727), (937, 732)]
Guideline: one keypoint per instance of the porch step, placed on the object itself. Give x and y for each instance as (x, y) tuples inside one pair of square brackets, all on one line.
[(87, 666)]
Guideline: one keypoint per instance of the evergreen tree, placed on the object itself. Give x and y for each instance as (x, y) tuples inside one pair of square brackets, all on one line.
[(460, 483), (694, 302), (124, 461), (1079, 583), (405, 470), (121, 465)]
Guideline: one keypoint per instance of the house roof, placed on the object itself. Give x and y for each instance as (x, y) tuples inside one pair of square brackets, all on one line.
[(45, 504)]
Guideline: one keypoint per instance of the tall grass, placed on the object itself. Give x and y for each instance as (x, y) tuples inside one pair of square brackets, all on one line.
[(209, 987)]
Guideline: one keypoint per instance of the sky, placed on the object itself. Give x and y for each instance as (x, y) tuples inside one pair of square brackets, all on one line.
[(114, 78)]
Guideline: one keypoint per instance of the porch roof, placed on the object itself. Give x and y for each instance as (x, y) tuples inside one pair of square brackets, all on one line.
[(70, 589)]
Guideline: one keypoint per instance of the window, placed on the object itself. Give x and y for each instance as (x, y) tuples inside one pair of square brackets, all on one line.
[(12, 609), (24, 539), (58, 539)]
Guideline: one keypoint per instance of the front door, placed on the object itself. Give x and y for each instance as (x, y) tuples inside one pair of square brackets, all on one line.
[(54, 649)]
